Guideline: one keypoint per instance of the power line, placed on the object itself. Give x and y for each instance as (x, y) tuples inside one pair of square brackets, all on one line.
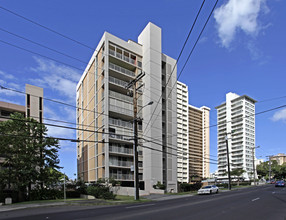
[(173, 154), (45, 27), (52, 100), (21, 48), (173, 148), (65, 127), (41, 45), (46, 137), (191, 52), (271, 99), (174, 67)]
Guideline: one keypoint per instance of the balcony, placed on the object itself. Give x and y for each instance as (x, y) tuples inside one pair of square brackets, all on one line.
[(120, 163), (123, 57), (121, 138), (121, 97), (118, 82), (120, 150), (122, 111), (118, 176), (121, 70)]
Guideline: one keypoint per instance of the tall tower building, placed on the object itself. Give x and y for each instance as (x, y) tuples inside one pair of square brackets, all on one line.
[(105, 109), (193, 138), (182, 133), (236, 119), (34, 102), (199, 142)]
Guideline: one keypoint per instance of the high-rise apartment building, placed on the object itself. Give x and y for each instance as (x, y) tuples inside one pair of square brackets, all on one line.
[(236, 120), (193, 140), (106, 110), (199, 142), (280, 158), (182, 133), (33, 106)]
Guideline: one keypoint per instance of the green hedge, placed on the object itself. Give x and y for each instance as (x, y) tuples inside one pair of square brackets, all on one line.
[(100, 192), (187, 187)]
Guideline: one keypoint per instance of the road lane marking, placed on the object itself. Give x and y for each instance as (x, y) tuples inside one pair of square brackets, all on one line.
[(255, 199), (138, 206), (273, 192)]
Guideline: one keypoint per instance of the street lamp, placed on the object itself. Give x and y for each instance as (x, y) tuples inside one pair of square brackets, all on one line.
[(228, 166), (136, 174)]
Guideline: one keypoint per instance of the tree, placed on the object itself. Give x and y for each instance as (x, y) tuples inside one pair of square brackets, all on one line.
[(28, 155), (237, 173), (277, 171)]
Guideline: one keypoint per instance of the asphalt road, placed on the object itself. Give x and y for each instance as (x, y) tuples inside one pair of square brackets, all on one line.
[(263, 202)]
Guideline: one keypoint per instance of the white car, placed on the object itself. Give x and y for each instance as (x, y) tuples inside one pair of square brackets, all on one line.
[(208, 190)]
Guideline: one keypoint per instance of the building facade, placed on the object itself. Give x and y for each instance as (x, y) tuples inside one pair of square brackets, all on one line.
[(199, 142), (193, 138), (182, 133), (280, 158), (106, 110), (236, 121), (33, 105)]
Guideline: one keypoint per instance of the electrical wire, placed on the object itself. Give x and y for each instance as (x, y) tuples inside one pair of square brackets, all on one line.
[(41, 45), (191, 52), (47, 28), (21, 48), (174, 67)]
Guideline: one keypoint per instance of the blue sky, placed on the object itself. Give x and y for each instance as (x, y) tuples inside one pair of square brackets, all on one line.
[(242, 50)]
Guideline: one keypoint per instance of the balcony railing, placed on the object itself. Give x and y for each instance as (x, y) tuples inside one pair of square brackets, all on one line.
[(120, 96), (118, 81), (120, 137), (118, 149), (121, 176), (120, 110), (122, 57), (121, 70), (120, 163)]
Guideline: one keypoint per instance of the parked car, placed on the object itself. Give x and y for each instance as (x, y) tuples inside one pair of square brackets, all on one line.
[(272, 182), (280, 184), (208, 190)]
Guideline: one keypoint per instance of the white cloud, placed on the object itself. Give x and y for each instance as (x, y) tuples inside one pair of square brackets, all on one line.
[(59, 78), (6, 75), (238, 15), (280, 115)]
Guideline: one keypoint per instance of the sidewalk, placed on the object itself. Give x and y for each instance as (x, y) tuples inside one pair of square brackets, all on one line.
[(5, 208)]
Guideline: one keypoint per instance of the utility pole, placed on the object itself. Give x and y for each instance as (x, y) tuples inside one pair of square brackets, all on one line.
[(269, 166), (228, 165), (133, 84), (65, 197)]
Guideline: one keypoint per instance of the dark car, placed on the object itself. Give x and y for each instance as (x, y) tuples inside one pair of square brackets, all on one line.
[(280, 183)]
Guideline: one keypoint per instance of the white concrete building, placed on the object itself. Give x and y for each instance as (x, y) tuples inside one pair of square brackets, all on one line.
[(101, 90), (182, 132), (236, 119), (193, 140)]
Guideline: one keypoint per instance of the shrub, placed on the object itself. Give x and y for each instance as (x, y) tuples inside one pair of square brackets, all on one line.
[(100, 192), (159, 185), (46, 194), (187, 187)]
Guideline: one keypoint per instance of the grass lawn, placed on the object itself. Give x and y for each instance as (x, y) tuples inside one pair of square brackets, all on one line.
[(128, 199), (182, 193)]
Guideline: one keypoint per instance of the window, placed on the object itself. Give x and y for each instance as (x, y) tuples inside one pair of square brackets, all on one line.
[(28, 100), (40, 103)]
